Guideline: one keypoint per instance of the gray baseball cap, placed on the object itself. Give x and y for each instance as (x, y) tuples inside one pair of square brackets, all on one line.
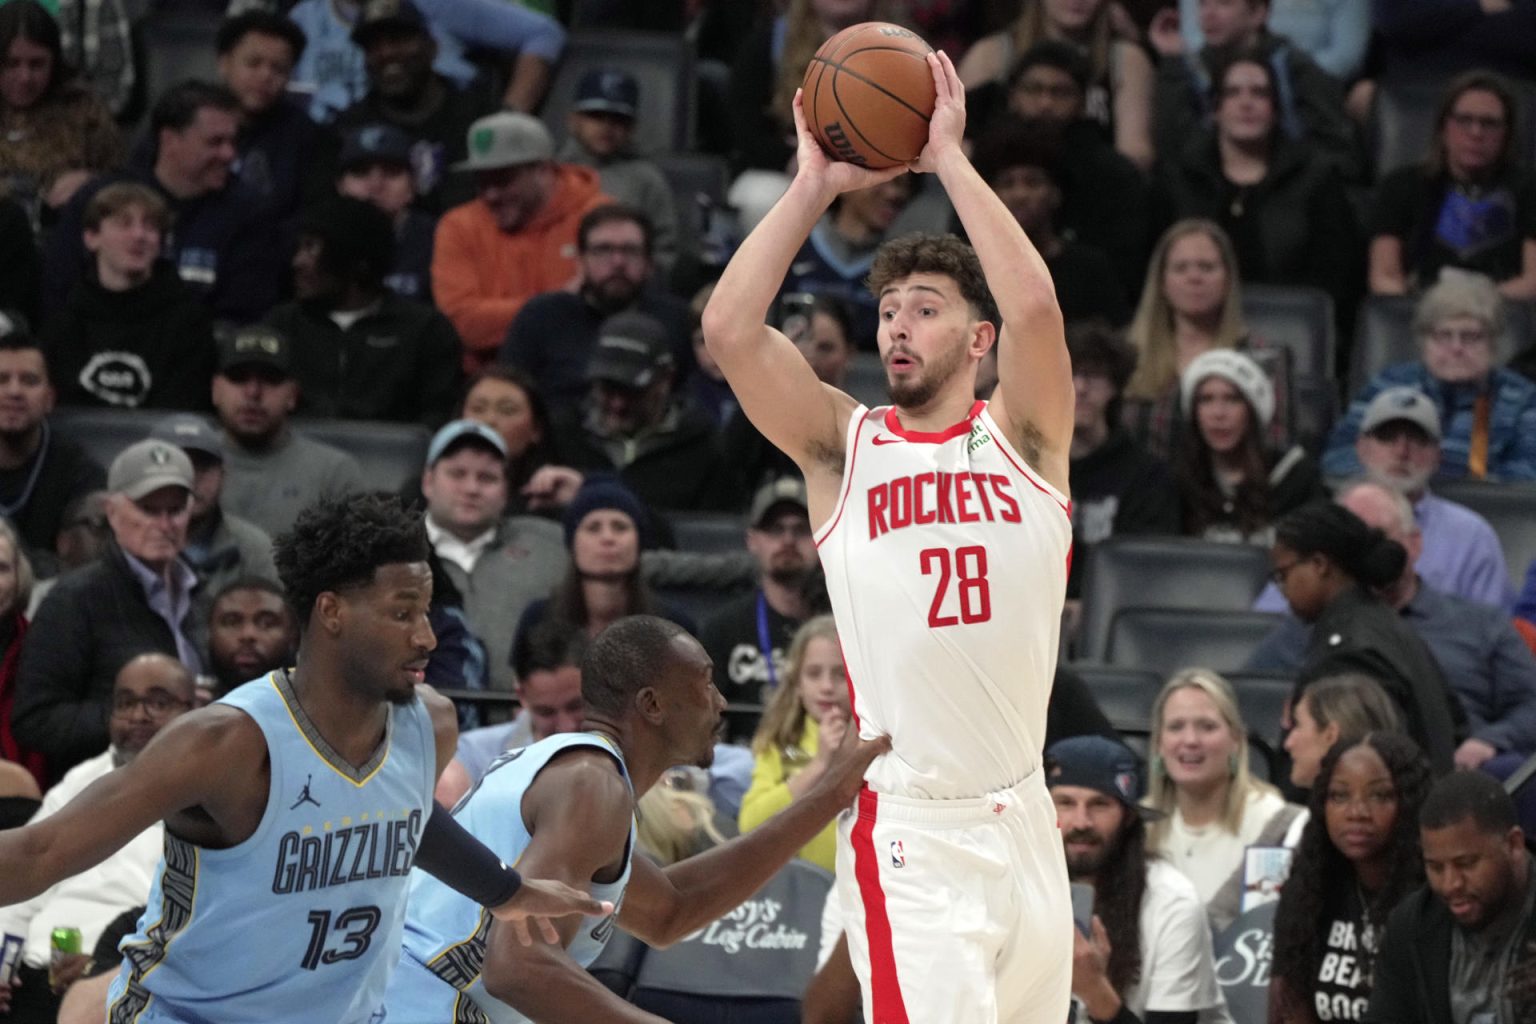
[(1402, 403), (786, 490), (147, 466), (506, 139), (190, 432)]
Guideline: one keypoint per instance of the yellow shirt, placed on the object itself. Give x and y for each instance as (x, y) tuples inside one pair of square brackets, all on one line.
[(769, 794)]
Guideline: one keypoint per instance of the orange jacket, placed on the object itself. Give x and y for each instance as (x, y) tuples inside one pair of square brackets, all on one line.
[(482, 276)]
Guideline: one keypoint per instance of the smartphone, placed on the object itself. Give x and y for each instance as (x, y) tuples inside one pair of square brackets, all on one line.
[(1082, 907)]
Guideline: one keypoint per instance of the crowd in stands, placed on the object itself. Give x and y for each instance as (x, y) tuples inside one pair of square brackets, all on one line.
[(433, 247)]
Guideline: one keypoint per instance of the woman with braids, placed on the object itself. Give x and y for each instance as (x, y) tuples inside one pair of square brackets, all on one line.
[(1329, 566), (1358, 857)]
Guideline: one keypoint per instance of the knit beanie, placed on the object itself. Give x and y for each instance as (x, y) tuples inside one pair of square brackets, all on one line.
[(1239, 371), (600, 493)]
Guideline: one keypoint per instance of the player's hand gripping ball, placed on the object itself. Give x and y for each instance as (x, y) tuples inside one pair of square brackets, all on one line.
[(869, 94)]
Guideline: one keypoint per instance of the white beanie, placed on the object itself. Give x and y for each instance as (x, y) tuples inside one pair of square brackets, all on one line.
[(1237, 369)]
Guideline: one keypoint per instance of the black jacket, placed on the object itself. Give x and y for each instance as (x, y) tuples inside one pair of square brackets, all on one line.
[(676, 465), (66, 473), (94, 621)]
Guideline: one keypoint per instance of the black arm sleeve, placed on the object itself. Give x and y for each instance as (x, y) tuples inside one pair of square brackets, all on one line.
[(463, 863)]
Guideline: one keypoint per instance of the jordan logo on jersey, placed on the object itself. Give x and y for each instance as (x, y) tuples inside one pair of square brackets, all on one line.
[(939, 497), (304, 796)]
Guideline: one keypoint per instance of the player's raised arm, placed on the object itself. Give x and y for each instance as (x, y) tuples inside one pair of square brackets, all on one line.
[(1034, 397), (775, 385)]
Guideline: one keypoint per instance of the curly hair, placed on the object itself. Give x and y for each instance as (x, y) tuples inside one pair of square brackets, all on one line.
[(1321, 876), (1118, 888), (920, 253), (341, 543)]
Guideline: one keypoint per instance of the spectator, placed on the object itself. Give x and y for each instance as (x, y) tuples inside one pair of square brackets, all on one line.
[(225, 244), (150, 692), (840, 250), (1333, 34), (1330, 565), (1311, 101), (405, 93), (1336, 709), (1104, 197), (136, 598), (278, 145), (1283, 206), (1200, 779), (82, 538), (20, 283), (802, 725), (375, 164), (553, 335), (498, 565), (600, 134), (1119, 95), (748, 636), (58, 133), (1460, 947), (1021, 163), (708, 388), (1191, 303), (517, 238), (1118, 488), (605, 529), (504, 399), (633, 423), (15, 594), (221, 548), (251, 631), (271, 471), (41, 473), (1233, 485), (131, 334), (358, 350), (1469, 206), (1487, 413), (1148, 952), (1358, 858)]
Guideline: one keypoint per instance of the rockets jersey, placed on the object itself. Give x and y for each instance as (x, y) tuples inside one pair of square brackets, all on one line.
[(946, 559), (302, 921), (439, 979)]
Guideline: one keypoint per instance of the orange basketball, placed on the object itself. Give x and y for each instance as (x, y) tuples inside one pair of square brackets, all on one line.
[(868, 95)]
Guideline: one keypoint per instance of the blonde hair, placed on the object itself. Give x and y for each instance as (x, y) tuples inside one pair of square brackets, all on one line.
[(1152, 331), (1160, 790), (25, 579), (784, 719), (803, 36), (1030, 27), (1353, 701), (672, 824)]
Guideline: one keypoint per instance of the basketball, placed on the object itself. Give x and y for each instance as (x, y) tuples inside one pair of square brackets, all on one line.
[(868, 95)]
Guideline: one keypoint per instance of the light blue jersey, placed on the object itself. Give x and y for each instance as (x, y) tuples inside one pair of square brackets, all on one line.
[(301, 923), (438, 980)]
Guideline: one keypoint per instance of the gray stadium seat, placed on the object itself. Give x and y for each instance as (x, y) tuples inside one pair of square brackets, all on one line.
[(1261, 698), (1164, 640), (662, 63), (1301, 319), (104, 432), (1125, 695), (176, 42), (1509, 508), (391, 454), (1164, 572), (708, 532), (1384, 335), (698, 182)]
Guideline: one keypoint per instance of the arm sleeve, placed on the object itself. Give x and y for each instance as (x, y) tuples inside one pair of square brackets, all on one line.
[(54, 712), (1513, 701), (498, 26), (769, 792), (456, 858), (1519, 461)]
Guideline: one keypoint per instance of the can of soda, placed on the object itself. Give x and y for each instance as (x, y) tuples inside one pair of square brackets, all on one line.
[(62, 942)]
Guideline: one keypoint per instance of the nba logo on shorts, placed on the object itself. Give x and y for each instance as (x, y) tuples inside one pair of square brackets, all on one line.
[(898, 855)]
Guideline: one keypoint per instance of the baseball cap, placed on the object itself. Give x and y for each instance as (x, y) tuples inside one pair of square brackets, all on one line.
[(631, 349), (506, 139), (377, 14), (786, 490), (1402, 403), (254, 345), (188, 431), (147, 466), (472, 431), (1099, 763), (608, 90), (375, 144)]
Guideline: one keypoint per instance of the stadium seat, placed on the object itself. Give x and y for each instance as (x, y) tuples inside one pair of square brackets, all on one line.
[(1402, 120), (1164, 572), (104, 432), (698, 182), (866, 379), (1301, 319), (1315, 407), (1510, 508), (1384, 335), (1164, 640), (1261, 699), (391, 454), (176, 42), (1125, 695), (618, 963), (662, 63), (708, 532)]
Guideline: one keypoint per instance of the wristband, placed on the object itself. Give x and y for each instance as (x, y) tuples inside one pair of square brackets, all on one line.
[(451, 854)]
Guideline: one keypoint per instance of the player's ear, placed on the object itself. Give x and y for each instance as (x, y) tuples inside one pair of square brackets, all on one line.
[(328, 611), (648, 703), (983, 337)]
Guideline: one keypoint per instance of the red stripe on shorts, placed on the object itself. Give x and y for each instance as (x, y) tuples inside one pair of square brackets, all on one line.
[(885, 989)]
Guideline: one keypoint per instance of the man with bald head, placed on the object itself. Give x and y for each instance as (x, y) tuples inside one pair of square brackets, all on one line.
[(1487, 664), (150, 692)]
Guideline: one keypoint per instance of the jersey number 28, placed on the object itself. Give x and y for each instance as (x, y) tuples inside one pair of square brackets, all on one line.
[(968, 565)]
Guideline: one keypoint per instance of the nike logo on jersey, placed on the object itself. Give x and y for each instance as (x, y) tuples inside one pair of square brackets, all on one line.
[(882, 439)]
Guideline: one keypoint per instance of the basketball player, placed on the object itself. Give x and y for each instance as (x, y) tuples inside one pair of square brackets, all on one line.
[(295, 807), (565, 807), (942, 524)]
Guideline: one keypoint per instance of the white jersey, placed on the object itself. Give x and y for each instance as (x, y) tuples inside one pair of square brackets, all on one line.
[(946, 559)]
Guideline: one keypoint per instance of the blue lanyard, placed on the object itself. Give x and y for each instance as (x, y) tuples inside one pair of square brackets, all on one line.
[(764, 643)]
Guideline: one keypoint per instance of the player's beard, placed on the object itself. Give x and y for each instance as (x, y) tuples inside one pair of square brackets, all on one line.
[(935, 374)]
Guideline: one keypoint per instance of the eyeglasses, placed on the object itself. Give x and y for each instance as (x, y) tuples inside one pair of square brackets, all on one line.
[(1445, 337), (155, 703), (1280, 572), (1467, 122)]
